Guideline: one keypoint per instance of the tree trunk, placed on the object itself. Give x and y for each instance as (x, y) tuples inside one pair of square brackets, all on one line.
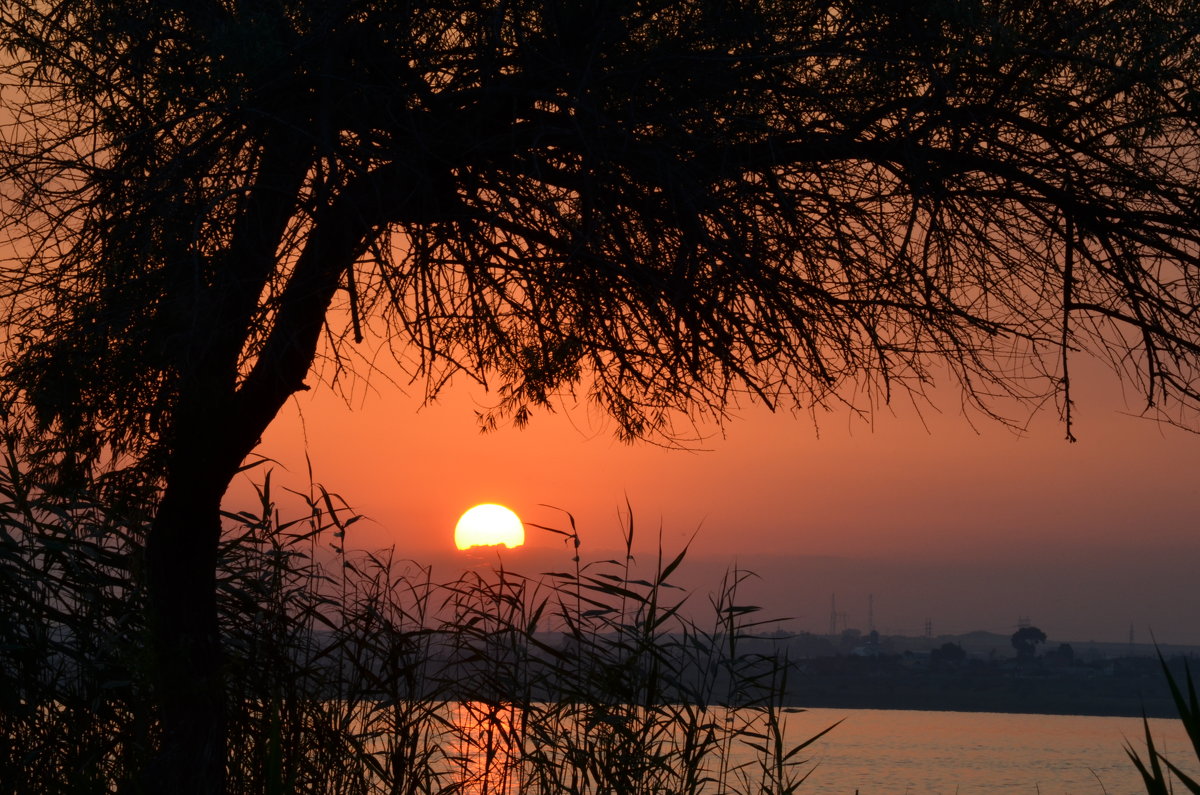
[(217, 424), (181, 562)]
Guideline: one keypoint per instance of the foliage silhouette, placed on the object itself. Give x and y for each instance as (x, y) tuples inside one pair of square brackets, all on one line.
[(1025, 641), (950, 653), (663, 207)]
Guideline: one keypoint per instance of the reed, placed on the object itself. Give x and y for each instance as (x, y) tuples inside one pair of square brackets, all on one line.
[(1155, 767), (355, 672)]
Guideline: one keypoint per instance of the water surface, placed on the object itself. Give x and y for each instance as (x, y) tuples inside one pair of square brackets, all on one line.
[(893, 752)]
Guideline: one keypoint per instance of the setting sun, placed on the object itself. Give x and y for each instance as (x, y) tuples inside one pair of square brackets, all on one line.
[(489, 525)]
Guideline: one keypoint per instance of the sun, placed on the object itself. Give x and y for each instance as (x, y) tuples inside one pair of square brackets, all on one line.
[(489, 525)]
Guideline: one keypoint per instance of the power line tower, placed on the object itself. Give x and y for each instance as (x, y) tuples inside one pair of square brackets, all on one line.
[(833, 614), (928, 628), (870, 613)]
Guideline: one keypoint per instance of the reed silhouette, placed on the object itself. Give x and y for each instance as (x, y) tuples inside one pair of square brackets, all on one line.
[(354, 672), (1158, 772)]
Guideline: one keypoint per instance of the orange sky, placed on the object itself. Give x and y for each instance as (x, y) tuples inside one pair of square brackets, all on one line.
[(967, 529)]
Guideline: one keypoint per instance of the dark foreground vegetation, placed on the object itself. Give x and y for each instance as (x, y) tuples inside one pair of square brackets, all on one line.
[(355, 673), (1159, 772)]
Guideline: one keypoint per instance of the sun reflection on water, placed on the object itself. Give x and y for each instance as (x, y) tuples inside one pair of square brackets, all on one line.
[(485, 748)]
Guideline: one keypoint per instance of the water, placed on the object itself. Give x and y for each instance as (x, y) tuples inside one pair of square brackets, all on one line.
[(892, 752)]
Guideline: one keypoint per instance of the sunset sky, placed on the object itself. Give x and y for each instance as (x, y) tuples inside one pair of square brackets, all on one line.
[(953, 520), (968, 528)]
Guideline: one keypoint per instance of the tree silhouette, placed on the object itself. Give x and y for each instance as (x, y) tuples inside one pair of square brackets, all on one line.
[(1064, 654), (950, 653), (1025, 641), (664, 207)]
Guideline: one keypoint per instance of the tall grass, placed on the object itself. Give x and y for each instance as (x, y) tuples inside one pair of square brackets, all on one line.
[(1156, 769), (72, 641), (354, 672)]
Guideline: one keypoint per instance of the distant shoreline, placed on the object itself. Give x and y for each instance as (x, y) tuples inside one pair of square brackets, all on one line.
[(848, 683), (903, 673)]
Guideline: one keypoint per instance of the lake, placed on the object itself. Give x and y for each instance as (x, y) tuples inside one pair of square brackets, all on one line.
[(892, 752), (872, 752)]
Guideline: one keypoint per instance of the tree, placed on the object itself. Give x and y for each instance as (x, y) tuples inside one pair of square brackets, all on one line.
[(666, 207), (948, 653), (1025, 641), (1064, 654)]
